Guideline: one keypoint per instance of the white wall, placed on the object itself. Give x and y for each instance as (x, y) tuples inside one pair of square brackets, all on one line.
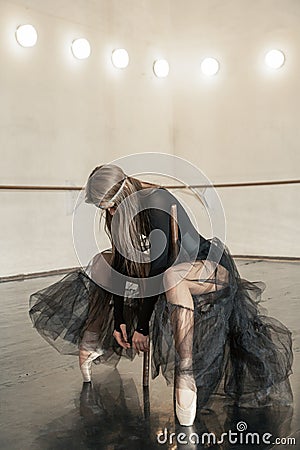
[(243, 124), (60, 117)]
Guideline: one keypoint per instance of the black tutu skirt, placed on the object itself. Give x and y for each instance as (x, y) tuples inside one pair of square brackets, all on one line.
[(238, 352)]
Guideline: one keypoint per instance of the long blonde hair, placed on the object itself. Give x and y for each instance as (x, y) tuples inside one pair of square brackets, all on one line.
[(103, 183)]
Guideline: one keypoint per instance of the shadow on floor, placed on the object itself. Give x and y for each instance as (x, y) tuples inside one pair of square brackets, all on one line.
[(108, 415)]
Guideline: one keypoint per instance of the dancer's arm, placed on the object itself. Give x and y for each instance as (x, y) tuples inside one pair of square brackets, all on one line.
[(118, 280), (160, 206), (118, 311), (119, 333), (145, 315), (160, 245)]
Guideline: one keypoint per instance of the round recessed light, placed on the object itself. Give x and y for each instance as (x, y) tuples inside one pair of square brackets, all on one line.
[(81, 48), (26, 35), (274, 59), (210, 66), (161, 68), (120, 58)]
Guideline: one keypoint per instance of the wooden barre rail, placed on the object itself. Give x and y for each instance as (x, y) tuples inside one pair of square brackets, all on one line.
[(216, 185)]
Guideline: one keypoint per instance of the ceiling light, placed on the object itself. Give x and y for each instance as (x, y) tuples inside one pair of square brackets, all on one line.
[(26, 35), (210, 66), (81, 48), (120, 58), (274, 59), (161, 68)]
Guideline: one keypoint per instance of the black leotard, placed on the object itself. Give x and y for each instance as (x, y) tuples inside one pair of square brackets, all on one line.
[(192, 246)]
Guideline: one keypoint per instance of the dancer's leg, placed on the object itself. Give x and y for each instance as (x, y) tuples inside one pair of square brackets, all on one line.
[(88, 348), (180, 283), (200, 277)]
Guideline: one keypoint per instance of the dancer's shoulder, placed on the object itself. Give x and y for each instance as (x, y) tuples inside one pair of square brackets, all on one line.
[(159, 197)]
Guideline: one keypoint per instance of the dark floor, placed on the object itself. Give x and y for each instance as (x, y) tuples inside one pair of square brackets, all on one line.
[(44, 405)]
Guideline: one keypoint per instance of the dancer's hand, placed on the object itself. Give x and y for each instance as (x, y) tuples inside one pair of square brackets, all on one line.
[(140, 342), (121, 337)]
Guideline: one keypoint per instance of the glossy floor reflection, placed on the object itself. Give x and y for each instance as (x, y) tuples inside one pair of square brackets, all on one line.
[(45, 405)]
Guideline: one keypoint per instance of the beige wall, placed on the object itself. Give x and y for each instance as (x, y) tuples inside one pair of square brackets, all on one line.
[(60, 117), (242, 125)]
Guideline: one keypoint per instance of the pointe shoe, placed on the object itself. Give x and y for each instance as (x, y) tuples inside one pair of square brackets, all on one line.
[(86, 366), (186, 415)]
